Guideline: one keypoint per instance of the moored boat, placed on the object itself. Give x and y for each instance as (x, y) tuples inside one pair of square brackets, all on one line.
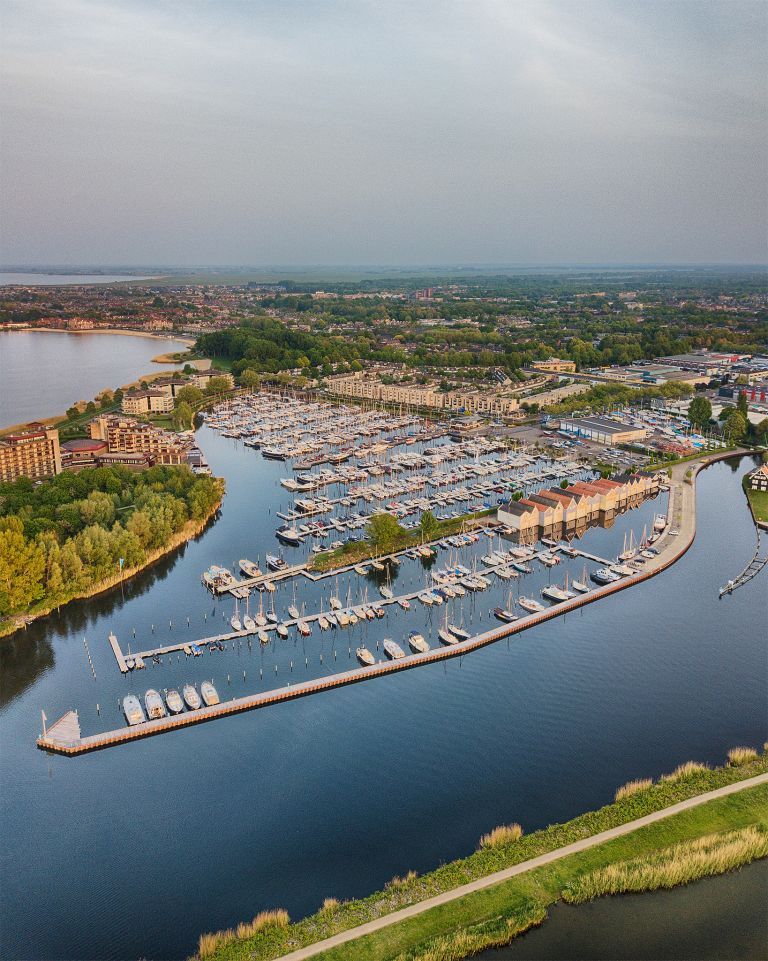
[(209, 693), (132, 710), (365, 657), (393, 650), (174, 702), (417, 643), (191, 697), (154, 705)]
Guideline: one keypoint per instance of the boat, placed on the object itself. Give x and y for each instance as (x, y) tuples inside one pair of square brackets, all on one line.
[(282, 630), (659, 523), (529, 604), (417, 643), (132, 710), (604, 576), (322, 622), (209, 693), (191, 697), (130, 663), (554, 593), (154, 704), (581, 586), (342, 619), (446, 637), (289, 536), (275, 563), (502, 614), (377, 565), (249, 568), (386, 592), (378, 611), (393, 650), (263, 637), (174, 702), (293, 610), (237, 624), (365, 657), (268, 586), (361, 570), (459, 632), (273, 453)]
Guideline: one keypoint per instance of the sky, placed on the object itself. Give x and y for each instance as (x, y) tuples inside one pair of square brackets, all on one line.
[(416, 132)]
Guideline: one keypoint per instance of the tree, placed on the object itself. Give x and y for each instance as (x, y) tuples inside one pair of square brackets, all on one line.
[(699, 412), (742, 404), (117, 396), (189, 395), (217, 385), (250, 379), (384, 531), (735, 426), (72, 413), (182, 416), (22, 565), (761, 430), (429, 525)]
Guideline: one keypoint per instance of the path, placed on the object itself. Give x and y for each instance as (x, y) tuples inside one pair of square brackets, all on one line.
[(491, 879)]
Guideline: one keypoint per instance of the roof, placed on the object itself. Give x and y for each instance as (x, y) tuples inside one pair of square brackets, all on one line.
[(83, 444), (518, 508), (599, 423)]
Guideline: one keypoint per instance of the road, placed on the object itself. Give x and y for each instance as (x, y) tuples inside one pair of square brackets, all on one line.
[(491, 879)]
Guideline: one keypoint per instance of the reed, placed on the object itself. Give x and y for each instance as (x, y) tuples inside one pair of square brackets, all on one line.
[(329, 905), (672, 866), (209, 944), (494, 933), (741, 755), (400, 882), (632, 787), (682, 771), (503, 834)]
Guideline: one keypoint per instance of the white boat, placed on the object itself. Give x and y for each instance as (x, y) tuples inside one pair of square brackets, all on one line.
[(417, 643), (132, 710), (393, 650), (365, 657), (446, 637), (209, 694), (529, 604), (237, 624), (191, 697), (174, 702), (154, 705), (554, 593), (282, 630), (459, 632), (386, 592), (249, 568)]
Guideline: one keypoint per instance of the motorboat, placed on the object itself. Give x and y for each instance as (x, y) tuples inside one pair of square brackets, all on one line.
[(174, 702), (603, 576), (154, 705), (132, 710), (209, 694), (393, 650), (365, 657), (191, 697), (417, 643), (275, 563), (289, 536), (249, 568)]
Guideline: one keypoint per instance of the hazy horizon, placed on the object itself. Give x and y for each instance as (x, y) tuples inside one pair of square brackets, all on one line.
[(338, 134)]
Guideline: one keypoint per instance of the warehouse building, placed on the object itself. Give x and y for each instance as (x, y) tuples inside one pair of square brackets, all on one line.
[(602, 429)]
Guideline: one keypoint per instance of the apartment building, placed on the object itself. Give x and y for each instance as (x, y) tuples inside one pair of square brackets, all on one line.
[(147, 402), (127, 436), (33, 452), (556, 365)]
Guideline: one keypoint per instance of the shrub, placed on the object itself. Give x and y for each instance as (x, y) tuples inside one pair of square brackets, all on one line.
[(503, 834), (632, 787), (688, 769), (741, 755), (329, 905), (210, 943)]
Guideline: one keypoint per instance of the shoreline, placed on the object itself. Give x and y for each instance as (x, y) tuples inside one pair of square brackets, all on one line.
[(21, 328), (190, 530)]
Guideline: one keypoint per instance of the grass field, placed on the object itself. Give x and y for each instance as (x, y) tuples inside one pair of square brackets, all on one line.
[(508, 905), (758, 501)]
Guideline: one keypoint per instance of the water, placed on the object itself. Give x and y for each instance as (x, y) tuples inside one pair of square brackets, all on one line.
[(9, 279), (42, 373), (133, 851), (717, 918)]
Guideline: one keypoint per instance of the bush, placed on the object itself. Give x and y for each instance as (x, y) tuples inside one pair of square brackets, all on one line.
[(398, 882), (685, 770)]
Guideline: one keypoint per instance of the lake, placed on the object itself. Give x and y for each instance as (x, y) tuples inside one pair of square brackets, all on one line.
[(134, 851), (10, 279), (42, 373)]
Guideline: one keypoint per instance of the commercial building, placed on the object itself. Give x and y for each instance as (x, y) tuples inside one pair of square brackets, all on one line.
[(33, 452), (556, 365), (147, 402), (602, 429)]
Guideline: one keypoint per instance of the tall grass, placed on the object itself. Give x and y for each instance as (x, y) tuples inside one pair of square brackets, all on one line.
[(741, 755), (632, 787), (210, 943), (493, 933), (679, 864), (329, 905), (503, 834), (682, 771), (400, 882)]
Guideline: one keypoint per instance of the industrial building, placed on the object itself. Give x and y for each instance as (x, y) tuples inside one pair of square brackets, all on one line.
[(602, 429)]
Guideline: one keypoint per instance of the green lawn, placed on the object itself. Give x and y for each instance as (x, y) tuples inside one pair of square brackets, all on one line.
[(514, 898), (758, 501)]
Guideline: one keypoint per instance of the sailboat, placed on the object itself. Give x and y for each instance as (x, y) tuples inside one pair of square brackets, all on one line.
[(581, 585), (334, 601), (293, 610), (248, 622), (235, 619), (507, 613), (445, 634), (629, 551), (386, 589), (260, 618)]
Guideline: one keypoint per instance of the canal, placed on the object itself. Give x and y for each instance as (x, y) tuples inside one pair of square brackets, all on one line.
[(134, 851)]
